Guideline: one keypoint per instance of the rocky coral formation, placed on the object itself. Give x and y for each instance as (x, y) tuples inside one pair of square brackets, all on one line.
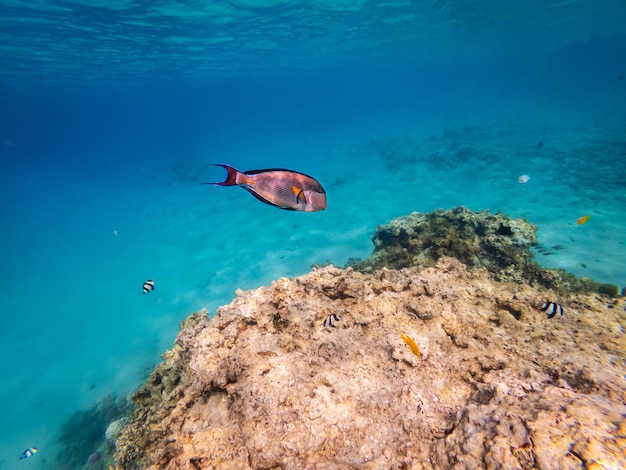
[(81, 435), (495, 385), (478, 239)]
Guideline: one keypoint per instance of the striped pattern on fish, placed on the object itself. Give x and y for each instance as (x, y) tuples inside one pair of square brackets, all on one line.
[(551, 309)]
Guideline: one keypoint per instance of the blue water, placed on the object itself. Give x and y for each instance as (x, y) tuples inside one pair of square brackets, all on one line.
[(111, 110)]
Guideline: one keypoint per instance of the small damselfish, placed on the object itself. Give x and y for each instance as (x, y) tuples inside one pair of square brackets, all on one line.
[(148, 286), (551, 309), (29, 452), (330, 321)]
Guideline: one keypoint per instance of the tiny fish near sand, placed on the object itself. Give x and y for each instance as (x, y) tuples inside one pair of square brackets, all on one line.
[(29, 452), (278, 187), (583, 220), (148, 286), (551, 309)]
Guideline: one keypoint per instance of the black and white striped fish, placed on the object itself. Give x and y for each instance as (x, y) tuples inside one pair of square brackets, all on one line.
[(551, 309), (148, 286), (330, 321)]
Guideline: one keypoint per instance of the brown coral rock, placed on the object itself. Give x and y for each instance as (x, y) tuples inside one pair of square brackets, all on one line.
[(262, 385)]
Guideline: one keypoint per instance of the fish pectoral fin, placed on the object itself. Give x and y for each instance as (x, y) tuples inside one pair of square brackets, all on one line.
[(262, 199), (299, 193)]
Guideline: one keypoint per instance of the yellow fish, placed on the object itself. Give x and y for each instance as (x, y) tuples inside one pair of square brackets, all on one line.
[(583, 219), (414, 347)]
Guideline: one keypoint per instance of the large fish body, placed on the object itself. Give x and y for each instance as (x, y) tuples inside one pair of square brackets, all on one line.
[(285, 189)]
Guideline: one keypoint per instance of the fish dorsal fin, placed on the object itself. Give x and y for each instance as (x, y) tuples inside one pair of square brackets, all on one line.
[(256, 172)]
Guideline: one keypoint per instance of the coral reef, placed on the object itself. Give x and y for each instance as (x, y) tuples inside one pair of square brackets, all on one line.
[(82, 435), (477, 239), (610, 290), (114, 428), (452, 149), (496, 384)]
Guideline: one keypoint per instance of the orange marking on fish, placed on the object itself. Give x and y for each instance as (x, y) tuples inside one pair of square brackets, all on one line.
[(583, 219), (297, 192)]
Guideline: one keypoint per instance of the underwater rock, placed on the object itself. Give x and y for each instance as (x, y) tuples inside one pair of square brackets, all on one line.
[(610, 290), (94, 458), (478, 239), (82, 434), (495, 385)]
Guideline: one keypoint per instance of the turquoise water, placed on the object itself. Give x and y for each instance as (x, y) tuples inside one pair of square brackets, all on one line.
[(110, 112)]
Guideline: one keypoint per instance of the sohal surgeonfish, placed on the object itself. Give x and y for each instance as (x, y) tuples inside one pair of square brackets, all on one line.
[(285, 189)]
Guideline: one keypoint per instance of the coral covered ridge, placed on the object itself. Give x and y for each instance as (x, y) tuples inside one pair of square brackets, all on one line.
[(496, 384)]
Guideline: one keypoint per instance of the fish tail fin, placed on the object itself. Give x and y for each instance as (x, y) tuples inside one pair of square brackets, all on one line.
[(231, 177)]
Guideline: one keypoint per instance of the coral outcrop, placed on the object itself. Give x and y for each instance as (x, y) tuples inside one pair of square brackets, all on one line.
[(478, 239), (262, 385)]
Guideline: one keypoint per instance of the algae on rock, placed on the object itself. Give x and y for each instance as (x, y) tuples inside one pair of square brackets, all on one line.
[(477, 239)]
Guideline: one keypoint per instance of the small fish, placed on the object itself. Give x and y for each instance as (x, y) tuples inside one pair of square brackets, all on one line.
[(551, 309), (523, 179), (29, 452), (583, 219), (148, 286), (285, 189), (412, 344), (330, 321)]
